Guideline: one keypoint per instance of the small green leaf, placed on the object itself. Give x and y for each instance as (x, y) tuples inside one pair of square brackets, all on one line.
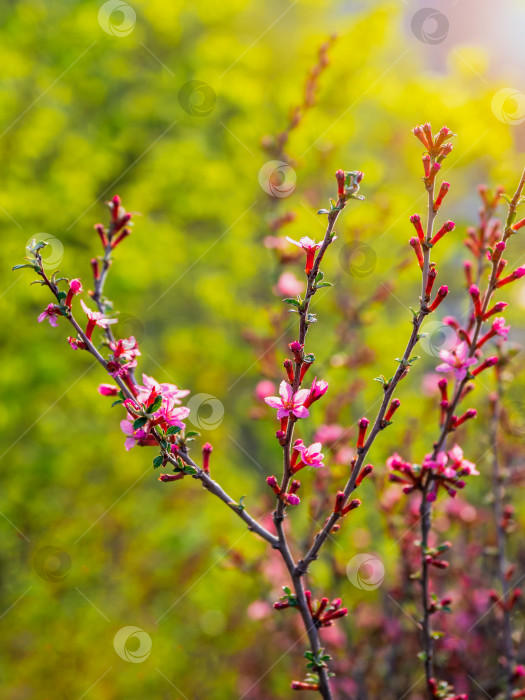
[(173, 430), (19, 267), (319, 277), (61, 296), (323, 284), (422, 656), (158, 461), (116, 403), (292, 302), (191, 433), (323, 211), (155, 405), (139, 423)]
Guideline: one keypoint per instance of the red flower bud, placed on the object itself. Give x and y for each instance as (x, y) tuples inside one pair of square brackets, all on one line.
[(416, 220), (448, 226), (207, 449), (394, 405), (363, 425), (99, 228), (416, 245), (442, 293), (288, 366), (445, 186)]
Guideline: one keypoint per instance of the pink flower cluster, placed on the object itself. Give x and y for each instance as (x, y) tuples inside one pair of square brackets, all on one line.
[(169, 413), (448, 470)]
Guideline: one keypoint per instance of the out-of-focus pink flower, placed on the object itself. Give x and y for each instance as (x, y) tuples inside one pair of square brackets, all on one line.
[(263, 389), (50, 312), (329, 434), (429, 383), (107, 390), (288, 285), (499, 327), (288, 402), (456, 361)]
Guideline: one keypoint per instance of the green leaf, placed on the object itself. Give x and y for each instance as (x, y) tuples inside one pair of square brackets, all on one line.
[(139, 423), (19, 267), (380, 379), (323, 211), (158, 461), (323, 284), (61, 296), (422, 656), (116, 403), (191, 433), (292, 302), (155, 405), (173, 430), (319, 277)]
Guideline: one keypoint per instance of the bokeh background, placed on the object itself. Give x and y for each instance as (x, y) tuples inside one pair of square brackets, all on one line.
[(97, 100)]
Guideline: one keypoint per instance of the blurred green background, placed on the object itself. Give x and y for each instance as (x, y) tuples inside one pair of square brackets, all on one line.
[(92, 103)]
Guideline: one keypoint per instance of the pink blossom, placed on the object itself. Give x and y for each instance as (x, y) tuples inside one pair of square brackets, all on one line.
[(288, 285), (288, 402), (171, 391), (499, 327), (263, 389), (305, 243), (460, 464), (50, 312), (311, 456), (95, 318), (310, 247), (172, 414), (456, 361), (317, 390)]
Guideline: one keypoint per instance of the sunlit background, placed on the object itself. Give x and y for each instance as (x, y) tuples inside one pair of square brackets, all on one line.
[(101, 99)]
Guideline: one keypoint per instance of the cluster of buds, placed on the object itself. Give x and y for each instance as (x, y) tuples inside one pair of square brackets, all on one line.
[(348, 184), (501, 603), (433, 558), (289, 497), (119, 227), (443, 691), (448, 470), (323, 612), (437, 148)]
